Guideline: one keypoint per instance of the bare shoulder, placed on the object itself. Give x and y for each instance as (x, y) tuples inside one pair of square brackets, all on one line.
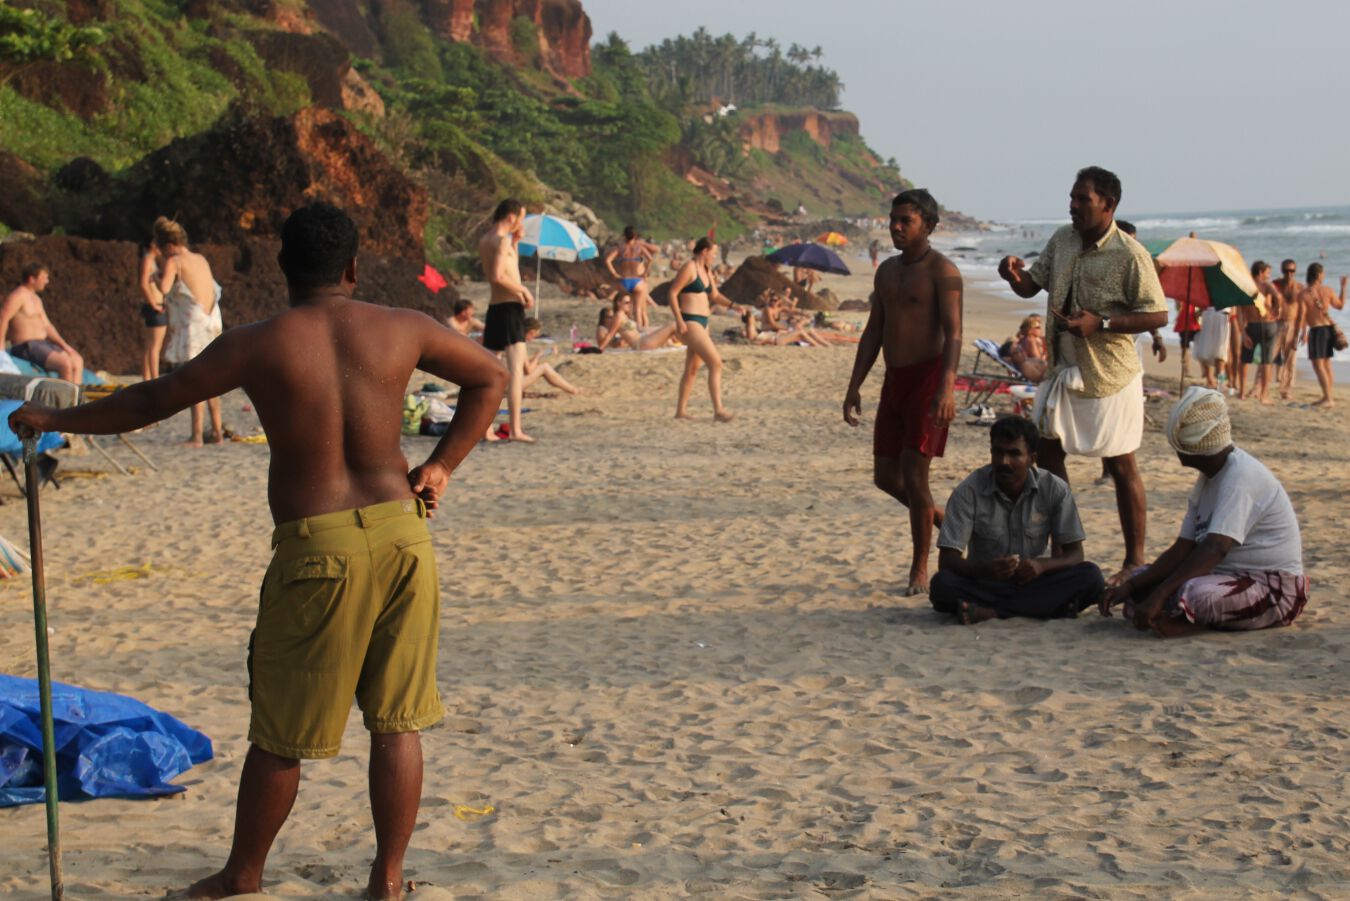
[(943, 268)]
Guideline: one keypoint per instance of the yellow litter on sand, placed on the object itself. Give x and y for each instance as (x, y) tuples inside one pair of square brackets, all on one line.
[(250, 439), (466, 813), (120, 574), (82, 474)]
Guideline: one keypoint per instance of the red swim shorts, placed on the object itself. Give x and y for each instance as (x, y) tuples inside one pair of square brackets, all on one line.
[(905, 414)]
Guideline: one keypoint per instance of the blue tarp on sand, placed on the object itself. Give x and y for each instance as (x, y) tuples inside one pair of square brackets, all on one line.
[(107, 745)]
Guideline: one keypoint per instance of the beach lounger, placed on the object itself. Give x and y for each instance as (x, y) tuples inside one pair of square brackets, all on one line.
[(89, 393), (999, 376), (11, 450)]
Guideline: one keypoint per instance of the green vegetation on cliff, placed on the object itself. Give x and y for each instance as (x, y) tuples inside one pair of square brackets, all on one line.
[(620, 139)]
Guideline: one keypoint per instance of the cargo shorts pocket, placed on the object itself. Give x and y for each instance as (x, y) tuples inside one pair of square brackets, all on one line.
[(303, 597)]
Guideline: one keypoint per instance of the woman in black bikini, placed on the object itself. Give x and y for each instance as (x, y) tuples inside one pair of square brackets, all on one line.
[(153, 314), (695, 291)]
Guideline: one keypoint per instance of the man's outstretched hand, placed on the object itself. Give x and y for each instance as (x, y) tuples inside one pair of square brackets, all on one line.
[(29, 420), (852, 406), (428, 482)]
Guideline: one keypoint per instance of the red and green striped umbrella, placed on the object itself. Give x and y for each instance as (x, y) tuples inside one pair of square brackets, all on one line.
[(1206, 274)]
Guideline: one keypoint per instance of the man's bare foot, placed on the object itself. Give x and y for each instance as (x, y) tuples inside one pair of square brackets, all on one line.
[(491, 434), (972, 613), (724, 416), (217, 885), (679, 414), (1324, 402), (918, 585), (193, 442), (1266, 401), (521, 436), (384, 891)]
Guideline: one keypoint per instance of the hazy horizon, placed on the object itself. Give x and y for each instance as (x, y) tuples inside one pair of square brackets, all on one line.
[(1190, 117)]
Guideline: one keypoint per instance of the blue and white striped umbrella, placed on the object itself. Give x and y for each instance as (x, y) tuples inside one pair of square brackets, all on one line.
[(551, 238)]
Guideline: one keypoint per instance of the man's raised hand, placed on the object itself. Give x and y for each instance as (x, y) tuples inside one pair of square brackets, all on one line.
[(1010, 269)]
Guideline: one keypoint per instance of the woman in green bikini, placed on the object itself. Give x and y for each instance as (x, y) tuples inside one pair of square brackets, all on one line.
[(695, 291)]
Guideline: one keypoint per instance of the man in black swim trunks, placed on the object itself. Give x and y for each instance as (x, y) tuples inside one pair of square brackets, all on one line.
[(504, 326)]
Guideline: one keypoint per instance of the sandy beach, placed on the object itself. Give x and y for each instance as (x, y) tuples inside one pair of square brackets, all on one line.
[(676, 664)]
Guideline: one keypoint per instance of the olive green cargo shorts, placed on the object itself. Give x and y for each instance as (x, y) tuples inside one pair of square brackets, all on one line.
[(349, 607)]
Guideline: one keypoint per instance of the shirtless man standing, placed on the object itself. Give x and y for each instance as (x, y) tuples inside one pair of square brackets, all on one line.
[(1318, 302), (504, 327), (916, 324), (1291, 324), (24, 324), (327, 379)]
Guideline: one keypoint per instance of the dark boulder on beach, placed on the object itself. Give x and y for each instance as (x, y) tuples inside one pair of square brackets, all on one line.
[(756, 275), (855, 306), (93, 298), (241, 179), (822, 300)]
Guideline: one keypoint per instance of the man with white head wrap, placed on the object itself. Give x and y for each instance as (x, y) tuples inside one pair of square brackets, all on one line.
[(1238, 560)]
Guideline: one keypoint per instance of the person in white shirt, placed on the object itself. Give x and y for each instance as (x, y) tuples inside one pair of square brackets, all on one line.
[(1238, 560)]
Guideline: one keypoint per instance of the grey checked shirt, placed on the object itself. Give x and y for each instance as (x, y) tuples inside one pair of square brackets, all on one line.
[(984, 524)]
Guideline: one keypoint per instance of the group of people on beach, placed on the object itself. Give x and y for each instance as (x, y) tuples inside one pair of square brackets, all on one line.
[(1237, 560), (1268, 334), (350, 535)]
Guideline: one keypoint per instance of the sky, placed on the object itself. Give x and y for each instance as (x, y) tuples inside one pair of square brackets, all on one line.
[(1197, 105)]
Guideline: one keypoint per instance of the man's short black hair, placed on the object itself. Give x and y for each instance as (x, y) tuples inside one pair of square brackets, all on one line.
[(1285, 264), (1258, 267), (461, 305), (32, 270), (506, 209), (318, 242), (630, 233), (1014, 428), (920, 199), (1105, 182), (1127, 227)]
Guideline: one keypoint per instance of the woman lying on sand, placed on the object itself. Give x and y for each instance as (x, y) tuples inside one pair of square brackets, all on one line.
[(536, 369), (617, 327)]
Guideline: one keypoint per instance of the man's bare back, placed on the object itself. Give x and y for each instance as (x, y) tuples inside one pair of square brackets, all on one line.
[(327, 379), (909, 295)]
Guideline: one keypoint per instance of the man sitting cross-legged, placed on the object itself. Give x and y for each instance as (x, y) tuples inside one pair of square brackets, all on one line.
[(999, 521), (1238, 561)]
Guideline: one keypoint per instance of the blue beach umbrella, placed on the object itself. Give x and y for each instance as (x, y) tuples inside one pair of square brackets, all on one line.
[(550, 238), (809, 256)]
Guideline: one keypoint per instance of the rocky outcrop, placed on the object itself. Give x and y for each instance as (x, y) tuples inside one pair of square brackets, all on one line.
[(241, 179), (765, 130), (756, 275), (562, 27), (23, 201), (93, 298)]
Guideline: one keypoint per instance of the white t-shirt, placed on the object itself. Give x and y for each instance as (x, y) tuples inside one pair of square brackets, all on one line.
[(1246, 503)]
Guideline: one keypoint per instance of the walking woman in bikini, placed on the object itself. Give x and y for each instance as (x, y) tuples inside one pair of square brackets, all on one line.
[(695, 291)]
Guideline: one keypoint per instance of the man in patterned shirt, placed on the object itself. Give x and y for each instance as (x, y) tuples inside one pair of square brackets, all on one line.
[(1103, 291)]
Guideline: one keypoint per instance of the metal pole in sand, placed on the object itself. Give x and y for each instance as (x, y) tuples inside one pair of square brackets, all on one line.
[(43, 663), (538, 270)]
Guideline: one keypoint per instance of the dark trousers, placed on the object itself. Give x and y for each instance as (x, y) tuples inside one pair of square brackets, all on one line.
[(1057, 594)]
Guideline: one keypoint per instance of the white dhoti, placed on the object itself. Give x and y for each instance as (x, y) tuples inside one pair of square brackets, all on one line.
[(1090, 426), (1211, 344)]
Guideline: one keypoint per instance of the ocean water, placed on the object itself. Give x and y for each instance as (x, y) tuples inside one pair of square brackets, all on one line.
[(1305, 235)]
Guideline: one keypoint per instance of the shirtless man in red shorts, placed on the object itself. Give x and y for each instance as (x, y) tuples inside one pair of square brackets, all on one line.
[(916, 323)]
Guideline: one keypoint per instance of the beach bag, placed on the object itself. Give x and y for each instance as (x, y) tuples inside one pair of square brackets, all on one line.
[(1338, 340), (414, 408)]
